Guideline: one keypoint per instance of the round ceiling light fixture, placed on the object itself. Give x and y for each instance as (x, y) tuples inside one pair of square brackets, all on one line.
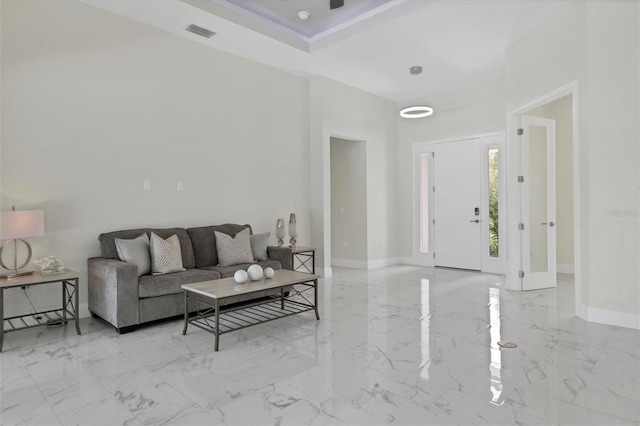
[(416, 69), (304, 15), (417, 111)]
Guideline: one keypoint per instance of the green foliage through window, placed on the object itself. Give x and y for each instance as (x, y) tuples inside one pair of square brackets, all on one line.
[(494, 237)]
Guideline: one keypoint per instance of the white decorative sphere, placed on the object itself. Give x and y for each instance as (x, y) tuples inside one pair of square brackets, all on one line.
[(240, 276), (268, 273), (255, 272)]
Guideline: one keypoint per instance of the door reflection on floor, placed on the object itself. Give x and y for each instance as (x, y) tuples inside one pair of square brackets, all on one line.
[(424, 329), (495, 367)]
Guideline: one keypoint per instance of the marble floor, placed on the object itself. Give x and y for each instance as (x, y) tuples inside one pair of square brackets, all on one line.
[(399, 345)]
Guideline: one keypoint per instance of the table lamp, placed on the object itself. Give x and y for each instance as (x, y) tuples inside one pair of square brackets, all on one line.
[(14, 226)]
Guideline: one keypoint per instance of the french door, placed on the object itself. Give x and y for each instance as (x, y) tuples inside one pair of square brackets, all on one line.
[(538, 203)]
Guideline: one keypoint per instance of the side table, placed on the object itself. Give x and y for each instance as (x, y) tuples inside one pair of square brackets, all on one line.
[(305, 257), (70, 302)]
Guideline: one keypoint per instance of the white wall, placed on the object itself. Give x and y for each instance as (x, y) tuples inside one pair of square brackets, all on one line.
[(348, 201), (561, 112), (93, 104), (345, 112), (596, 44), (470, 111)]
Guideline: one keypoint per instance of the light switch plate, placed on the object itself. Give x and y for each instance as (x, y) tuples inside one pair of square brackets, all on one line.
[(147, 185), (180, 185)]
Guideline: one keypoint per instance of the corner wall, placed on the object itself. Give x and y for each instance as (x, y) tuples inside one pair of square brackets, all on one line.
[(596, 44), (93, 104)]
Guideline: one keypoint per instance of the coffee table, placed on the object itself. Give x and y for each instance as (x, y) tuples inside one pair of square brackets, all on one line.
[(209, 298)]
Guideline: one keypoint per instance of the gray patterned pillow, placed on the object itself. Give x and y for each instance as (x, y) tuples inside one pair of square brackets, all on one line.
[(166, 256), (234, 250)]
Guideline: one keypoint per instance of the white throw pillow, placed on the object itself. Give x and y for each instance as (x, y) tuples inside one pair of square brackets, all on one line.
[(234, 250), (166, 255), (135, 251)]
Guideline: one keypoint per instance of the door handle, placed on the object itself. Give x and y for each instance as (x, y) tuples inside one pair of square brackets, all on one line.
[(475, 221), (551, 224)]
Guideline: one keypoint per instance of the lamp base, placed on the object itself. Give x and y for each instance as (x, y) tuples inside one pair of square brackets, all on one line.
[(14, 274)]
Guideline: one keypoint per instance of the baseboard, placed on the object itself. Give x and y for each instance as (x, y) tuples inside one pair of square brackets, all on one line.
[(381, 263), (564, 268), (365, 264), (349, 263), (604, 316), (324, 272), (84, 310)]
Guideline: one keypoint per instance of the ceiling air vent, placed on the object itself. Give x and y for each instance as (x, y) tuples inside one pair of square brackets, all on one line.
[(200, 31)]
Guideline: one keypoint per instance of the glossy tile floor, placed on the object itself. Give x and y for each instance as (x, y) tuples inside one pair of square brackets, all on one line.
[(399, 345)]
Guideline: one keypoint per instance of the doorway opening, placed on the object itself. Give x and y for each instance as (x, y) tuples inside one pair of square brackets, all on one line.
[(348, 203), (544, 189)]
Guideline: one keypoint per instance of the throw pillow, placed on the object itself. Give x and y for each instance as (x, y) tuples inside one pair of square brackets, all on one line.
[(234, 250), (166, 255), (135, 251), (259, 243)]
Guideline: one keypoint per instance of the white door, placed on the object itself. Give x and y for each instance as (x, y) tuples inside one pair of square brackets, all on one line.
[(457, 183), (538, 202)]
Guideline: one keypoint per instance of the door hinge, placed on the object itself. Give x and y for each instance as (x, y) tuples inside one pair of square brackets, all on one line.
[(520, 274), (520, 179), (434, 221), (520, 132), (434, 254), (433, 154), (521, 226), (434, 188)]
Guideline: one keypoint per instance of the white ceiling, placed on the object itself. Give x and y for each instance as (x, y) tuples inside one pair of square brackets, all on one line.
[(458, 43)]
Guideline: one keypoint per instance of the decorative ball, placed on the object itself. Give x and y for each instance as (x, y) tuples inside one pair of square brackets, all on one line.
[(255, 272), (268, 273), (240, 276)]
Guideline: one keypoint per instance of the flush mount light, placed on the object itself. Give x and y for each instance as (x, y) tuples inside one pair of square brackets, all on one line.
[(416, 69), (418, 111), (304, 15)]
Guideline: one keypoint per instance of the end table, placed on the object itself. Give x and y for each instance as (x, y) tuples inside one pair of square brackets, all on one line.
[(306, 259), (70, 302)]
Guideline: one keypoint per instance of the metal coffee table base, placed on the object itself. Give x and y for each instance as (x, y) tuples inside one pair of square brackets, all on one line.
[(219, 321)]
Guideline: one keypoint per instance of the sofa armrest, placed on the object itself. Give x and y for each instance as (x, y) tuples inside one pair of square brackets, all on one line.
[(113, 291), (283, 254)]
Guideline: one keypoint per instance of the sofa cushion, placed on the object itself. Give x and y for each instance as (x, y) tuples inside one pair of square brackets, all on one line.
[(160, 285), (234, 250), (166, 256), (135, 251), (259, 244), (109, 251), (228, 271), (204, 242)]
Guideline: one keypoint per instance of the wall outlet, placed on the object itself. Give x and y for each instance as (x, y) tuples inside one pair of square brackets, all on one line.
[(180, 185), (146, 185)]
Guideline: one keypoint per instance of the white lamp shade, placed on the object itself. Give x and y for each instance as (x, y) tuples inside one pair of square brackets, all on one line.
[(21, 224)]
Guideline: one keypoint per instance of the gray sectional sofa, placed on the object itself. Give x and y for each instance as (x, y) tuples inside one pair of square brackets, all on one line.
[(120, 297)]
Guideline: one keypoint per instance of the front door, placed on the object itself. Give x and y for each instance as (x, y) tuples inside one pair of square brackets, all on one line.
[(457, 183), (538, 202)]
